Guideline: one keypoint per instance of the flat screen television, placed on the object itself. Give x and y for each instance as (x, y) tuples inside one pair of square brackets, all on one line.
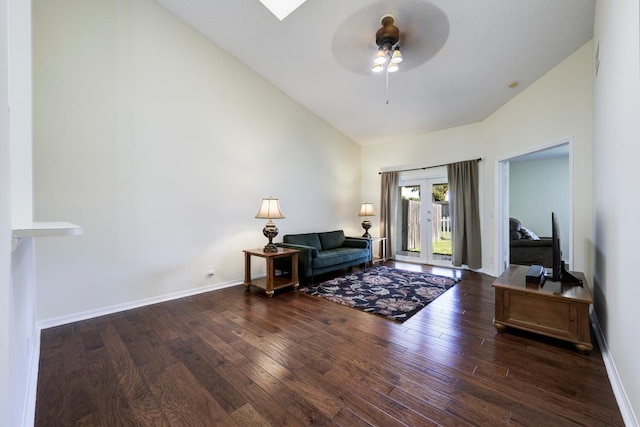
[(560, 274)]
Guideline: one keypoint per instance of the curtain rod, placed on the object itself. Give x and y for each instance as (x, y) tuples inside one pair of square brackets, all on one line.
[(427, 167)]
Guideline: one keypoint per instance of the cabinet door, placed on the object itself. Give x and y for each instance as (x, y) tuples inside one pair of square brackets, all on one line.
[(550, 316)]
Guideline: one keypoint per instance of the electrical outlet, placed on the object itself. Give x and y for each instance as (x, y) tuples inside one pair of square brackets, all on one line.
[(211, 271)]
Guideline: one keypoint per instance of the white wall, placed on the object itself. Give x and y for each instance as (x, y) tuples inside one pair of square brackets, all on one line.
[(18, 357), (554, 108), (162, 146), (8, 403), (615, 186), (21, 108), (537, 188)]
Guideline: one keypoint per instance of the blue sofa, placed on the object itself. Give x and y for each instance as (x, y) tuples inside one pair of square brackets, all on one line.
[(327, 251)]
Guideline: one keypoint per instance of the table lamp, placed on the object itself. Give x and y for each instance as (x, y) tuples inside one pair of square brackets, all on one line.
[(366, 210), (270, 209)]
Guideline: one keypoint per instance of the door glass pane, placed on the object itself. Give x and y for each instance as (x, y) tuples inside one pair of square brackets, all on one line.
[(441, 231), (408, 229)]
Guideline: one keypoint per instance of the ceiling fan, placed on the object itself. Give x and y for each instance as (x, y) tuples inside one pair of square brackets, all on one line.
[(387, 39), (425, 29)]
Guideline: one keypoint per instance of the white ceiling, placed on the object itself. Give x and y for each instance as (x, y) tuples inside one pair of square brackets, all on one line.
[(460, 55)]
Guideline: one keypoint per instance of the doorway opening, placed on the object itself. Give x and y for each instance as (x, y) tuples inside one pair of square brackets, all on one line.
[(531, 186)]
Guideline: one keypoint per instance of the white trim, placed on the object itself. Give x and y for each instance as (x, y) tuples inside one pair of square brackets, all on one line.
[(77, 317), (561, 141), (46, 229), (416, 180), (42, 229), (626, 409), (502, 199), (29, 412), (572, 203), (500, 217)]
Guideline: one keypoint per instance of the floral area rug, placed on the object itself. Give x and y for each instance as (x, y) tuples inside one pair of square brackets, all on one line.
[(389, 292)]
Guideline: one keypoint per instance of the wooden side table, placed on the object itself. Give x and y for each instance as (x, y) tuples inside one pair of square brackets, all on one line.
[(271, 282), (555, 309), (381, 242)]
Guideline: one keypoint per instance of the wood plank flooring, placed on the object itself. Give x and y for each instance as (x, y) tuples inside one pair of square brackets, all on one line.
[(235, 357)]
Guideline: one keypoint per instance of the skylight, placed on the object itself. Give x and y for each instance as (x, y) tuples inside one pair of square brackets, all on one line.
[(282, 8)]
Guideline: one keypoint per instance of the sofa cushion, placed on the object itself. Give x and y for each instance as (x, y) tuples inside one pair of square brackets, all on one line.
[(339, 256), (528, 234), (308, 239), (518, 231), (331, 239)]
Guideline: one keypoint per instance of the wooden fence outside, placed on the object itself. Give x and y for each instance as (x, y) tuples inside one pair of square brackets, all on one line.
[(411, 223)]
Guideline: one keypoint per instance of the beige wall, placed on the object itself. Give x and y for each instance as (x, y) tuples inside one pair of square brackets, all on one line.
[(556, 108), (615, 189), (162, 146), (551, 110)]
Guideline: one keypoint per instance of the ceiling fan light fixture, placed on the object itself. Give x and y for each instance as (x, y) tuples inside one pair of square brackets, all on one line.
[(397, 58), (380, 58), (393, 67), (377, 68)]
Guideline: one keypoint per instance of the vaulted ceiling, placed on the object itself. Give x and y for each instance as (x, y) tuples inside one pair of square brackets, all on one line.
[(460, 56)]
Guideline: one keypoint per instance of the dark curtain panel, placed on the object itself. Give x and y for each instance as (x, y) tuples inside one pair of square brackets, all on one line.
[(388, 202), (465, 214)]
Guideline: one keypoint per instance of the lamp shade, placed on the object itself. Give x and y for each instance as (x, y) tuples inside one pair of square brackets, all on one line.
[(270, 209), (367, 210)]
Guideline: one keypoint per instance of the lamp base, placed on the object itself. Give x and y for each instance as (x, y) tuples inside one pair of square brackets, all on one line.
[(366, 224), (270, 247), (270, 231)]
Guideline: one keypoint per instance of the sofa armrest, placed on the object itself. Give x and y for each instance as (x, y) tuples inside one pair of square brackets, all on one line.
[(356, 242), (306, 254), (310, 251)]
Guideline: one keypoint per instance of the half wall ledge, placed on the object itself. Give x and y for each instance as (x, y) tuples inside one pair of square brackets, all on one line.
[(43, 229)]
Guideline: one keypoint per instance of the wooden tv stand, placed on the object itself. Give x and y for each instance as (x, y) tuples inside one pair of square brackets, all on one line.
[(555, 309)]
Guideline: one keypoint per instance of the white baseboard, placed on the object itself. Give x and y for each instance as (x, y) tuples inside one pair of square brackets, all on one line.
[(28, 415), (77, 317), (626, 410), (28, 418)]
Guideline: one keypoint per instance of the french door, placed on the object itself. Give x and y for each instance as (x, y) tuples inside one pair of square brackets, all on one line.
[(423, 228)]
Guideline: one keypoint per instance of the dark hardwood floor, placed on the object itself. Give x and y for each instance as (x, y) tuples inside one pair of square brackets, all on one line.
[(235, 357)]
